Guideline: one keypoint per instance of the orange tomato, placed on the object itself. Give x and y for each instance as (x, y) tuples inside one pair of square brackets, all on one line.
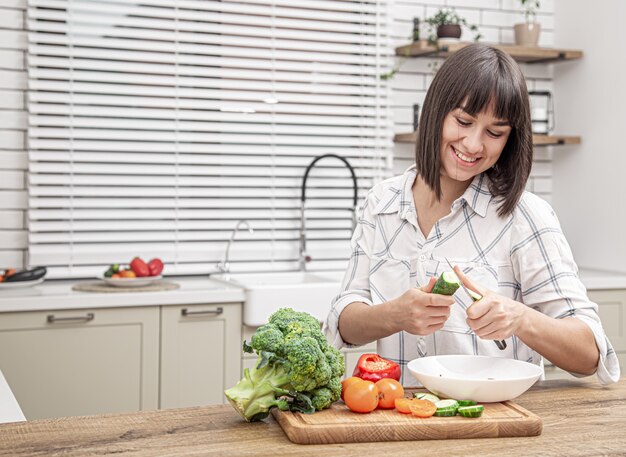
[(1, 278), (403, 405), (9, 272), (422, 408), (128, 274), (115, 275), (347, 382), (361, 397), (388, 390)]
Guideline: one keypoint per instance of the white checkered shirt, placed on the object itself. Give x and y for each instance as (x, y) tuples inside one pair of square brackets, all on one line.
[(523, 256)]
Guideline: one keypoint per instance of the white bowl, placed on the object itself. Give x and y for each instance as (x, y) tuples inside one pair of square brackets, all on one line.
[(472, 377), (130, 282)]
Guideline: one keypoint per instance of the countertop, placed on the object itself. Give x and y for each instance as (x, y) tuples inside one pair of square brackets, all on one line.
[(580, 418), (58, 294)]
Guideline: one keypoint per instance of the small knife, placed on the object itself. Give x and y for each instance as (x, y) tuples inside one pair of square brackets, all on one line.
[(500, 343)]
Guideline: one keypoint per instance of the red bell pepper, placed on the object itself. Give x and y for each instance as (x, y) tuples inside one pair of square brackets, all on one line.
[(155, 266), (373, 367), (139, 267)]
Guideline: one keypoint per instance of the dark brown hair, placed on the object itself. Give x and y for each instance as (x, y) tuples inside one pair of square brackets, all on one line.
[(472, 78)]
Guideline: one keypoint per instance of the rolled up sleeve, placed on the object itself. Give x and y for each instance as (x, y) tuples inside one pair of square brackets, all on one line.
[(355, 286), (544, 265)]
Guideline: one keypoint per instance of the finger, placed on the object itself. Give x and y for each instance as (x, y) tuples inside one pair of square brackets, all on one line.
[(468, 282), (481, 326), (440, 300), (478, 309), (429, 287)]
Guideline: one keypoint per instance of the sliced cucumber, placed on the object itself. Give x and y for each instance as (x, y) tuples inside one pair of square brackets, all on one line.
[(466, 402), (447, 403), (471, 411), (426, 396), (447, 284), (446, 408)]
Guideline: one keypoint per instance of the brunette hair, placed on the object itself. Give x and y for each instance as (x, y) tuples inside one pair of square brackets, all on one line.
[(472, 78)]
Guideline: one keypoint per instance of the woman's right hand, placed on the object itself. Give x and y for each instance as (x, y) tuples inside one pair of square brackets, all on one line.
[(420, 312)]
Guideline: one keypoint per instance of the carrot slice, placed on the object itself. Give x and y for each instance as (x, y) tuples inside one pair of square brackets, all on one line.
[(403, 405), (422, 408)]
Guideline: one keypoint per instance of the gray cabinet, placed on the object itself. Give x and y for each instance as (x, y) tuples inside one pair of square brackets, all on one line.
[(92, 361), (200, 353), (78, 362)]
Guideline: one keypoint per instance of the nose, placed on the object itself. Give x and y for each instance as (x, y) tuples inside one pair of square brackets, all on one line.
[(472, 142)]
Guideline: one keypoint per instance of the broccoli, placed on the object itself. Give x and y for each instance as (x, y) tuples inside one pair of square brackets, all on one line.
[(296, 369)]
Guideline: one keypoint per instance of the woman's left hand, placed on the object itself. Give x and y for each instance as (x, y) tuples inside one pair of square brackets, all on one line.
[(493, 317)]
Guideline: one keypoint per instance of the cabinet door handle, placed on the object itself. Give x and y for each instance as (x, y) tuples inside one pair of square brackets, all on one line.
[(53, 319), (210, 312)]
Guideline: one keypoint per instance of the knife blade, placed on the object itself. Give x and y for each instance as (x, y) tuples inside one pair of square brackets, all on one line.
[(500, 343)]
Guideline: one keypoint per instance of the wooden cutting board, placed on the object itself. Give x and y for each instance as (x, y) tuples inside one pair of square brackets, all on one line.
[(340, 425)]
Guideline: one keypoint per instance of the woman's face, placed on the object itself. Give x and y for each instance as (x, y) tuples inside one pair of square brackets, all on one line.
[(471, 145)]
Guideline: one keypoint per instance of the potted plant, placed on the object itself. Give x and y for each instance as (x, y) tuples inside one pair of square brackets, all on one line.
[(446, 25), (527, 33)]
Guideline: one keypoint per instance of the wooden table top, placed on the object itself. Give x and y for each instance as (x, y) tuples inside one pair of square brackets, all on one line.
[(580, 418)]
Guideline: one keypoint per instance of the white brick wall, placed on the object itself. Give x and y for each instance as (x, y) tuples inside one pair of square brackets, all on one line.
[(495, 19), (13, 160)]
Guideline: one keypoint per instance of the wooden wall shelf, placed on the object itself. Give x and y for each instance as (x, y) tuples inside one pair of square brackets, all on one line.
[(522, 54), (538, 140)]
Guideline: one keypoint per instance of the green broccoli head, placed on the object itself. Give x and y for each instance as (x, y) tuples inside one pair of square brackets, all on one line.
[(296, 368), (268, 338)]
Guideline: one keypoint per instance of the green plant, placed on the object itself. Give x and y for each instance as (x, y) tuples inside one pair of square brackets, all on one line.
[(446, 16), (296, 369), (530, 8), (442, 17)]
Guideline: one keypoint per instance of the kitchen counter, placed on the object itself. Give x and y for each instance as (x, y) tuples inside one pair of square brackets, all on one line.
[(580, 418), (58, 294)]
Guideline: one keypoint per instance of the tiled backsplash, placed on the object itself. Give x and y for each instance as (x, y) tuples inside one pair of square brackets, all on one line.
[(493, 17)]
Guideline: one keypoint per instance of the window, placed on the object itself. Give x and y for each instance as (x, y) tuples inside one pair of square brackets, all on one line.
[(155, 125)]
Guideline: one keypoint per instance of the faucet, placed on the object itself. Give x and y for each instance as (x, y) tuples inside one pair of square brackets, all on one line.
[(224, 265), (304, 257)]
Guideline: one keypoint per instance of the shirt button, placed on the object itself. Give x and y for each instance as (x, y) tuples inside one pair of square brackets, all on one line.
[(422, 258)]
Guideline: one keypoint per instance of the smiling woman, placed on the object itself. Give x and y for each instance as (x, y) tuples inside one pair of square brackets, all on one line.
[(464, 200)]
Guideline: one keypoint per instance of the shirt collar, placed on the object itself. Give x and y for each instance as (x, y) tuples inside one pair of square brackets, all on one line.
[(477, 195), (398, 198)]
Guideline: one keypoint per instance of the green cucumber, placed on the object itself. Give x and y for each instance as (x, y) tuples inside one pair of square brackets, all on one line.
[(446, 408), (471, 411), (466, 402), (447, 284), (426, 396)]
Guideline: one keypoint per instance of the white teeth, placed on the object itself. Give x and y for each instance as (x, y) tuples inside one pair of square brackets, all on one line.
[(464, 158)]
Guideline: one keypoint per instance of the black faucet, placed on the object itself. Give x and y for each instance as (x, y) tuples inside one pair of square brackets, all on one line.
[(304, 257)]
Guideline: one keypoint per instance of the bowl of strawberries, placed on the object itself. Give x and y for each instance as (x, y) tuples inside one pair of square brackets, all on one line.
[(135, 274)]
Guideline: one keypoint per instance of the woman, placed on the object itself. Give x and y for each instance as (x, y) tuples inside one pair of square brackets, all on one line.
[(464, 200)]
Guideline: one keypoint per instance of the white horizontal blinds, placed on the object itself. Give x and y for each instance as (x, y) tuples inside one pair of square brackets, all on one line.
[(155, 125)]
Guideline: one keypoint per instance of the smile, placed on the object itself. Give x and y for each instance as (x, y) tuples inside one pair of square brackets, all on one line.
[(463, 157)]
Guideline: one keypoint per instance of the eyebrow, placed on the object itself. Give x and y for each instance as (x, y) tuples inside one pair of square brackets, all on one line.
[(497, 123)]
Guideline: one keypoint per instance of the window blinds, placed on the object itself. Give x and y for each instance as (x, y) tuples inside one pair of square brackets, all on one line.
[(155, 125)]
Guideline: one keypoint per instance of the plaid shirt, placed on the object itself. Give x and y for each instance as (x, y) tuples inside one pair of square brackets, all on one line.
[(523, 256)]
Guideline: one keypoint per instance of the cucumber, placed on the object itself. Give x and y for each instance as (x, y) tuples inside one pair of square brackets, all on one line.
[(426, 396), (466, 402), (471, 411), (473, 295), (447, 284), (446, 408)]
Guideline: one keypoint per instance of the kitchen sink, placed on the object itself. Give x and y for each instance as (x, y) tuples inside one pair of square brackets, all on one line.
[(267, 292)]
